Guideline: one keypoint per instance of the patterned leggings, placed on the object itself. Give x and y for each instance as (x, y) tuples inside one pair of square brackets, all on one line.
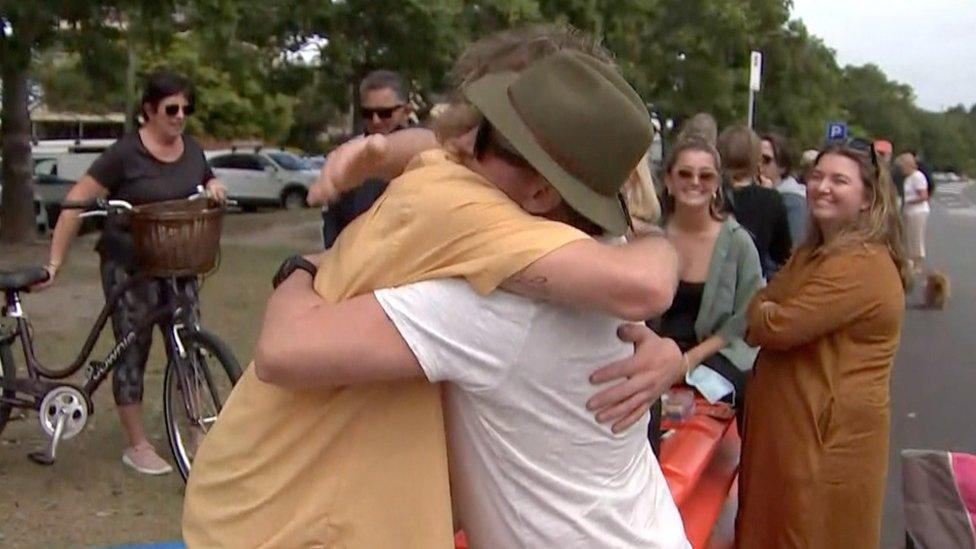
[(135, 305)]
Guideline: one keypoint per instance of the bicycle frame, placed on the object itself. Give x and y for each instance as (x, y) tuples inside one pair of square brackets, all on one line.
[(172, 308)]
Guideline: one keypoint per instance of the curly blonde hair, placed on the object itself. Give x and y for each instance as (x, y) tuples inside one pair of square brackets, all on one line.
[(641, 198)]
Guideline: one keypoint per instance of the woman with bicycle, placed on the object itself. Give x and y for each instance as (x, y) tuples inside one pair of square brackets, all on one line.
[(158, 162)]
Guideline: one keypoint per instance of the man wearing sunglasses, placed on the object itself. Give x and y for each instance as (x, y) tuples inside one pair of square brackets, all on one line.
[(385, 108)]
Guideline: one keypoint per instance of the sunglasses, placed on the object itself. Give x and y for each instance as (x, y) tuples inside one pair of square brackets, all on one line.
[(173, 110), (705, 177), (864, 146), (384, 113)]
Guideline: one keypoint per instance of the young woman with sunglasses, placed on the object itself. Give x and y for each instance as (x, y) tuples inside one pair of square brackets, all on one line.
[(156, 163), (719, 274), (815, 447)]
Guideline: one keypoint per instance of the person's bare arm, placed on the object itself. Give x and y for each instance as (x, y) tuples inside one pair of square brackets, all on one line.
[(68, 224), (711, 345), (374, 156), (634, 281), (307, 342)]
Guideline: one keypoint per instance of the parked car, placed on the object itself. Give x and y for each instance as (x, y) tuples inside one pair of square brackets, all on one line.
[(263, 177), (315, 162), (50, 186)]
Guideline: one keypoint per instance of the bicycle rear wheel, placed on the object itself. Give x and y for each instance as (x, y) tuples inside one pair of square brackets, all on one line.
[(8, 372), (194, 391)]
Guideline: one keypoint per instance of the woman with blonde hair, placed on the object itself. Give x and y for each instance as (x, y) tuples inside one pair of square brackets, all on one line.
[(815, 447), (641, 199)]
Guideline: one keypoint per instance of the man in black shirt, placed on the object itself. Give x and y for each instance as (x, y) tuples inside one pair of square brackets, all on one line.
[(385, 108)]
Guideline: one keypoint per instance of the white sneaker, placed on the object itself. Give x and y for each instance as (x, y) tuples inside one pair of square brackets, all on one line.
[(143, 458)]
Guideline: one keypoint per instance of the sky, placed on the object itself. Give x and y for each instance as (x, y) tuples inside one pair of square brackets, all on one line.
[(928, 44)]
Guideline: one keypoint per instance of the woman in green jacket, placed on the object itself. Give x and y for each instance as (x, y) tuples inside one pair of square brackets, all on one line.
[(720, 272)]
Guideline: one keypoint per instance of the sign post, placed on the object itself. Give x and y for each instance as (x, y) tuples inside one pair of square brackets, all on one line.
[(836, 131), (755, 82)]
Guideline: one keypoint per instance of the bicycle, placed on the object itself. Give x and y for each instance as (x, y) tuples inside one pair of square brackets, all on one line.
[(194, 387)]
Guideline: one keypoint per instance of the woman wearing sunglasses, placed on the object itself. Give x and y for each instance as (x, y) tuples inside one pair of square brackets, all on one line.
[(815, 448), (719, 274), (155, 163)]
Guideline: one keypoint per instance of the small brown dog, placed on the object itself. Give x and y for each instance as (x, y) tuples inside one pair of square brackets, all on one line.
[(937, 290)]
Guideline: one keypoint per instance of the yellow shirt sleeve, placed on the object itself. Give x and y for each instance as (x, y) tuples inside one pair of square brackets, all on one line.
[(439, 220)]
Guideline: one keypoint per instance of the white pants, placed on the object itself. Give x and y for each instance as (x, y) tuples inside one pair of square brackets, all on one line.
[(915, 233)]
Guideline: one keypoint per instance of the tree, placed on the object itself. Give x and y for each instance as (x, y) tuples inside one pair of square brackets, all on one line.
[(30, 28), (26, 27)]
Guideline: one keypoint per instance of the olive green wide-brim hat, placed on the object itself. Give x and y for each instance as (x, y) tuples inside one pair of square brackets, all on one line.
[(578, 122)]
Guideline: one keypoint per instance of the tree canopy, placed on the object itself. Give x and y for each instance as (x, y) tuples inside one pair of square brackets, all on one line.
[(683, 57)]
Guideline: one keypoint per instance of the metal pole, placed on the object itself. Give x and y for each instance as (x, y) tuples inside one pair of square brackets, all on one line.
[(752, 107)]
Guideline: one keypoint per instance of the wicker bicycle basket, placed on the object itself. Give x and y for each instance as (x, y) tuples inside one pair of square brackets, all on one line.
[(177, 237)]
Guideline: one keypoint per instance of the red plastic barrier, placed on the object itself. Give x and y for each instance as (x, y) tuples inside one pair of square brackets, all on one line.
[(700, 460)]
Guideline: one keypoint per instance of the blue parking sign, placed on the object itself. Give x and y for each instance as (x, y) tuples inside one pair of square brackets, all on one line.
[(836, 131)]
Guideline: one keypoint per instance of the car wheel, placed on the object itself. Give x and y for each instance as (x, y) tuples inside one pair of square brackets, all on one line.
[(293, 200)]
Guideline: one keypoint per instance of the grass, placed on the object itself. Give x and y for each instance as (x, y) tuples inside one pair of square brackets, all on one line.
[(87, 498)]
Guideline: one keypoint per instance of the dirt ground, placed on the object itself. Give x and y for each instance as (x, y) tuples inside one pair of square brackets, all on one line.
[(88, 498)]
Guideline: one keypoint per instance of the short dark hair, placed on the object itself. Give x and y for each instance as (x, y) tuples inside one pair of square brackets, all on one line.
[(490, 140), (164, 83), (382, 80), (781, 152)]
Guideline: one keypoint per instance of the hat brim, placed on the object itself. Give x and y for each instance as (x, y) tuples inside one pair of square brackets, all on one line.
[(490, 94)]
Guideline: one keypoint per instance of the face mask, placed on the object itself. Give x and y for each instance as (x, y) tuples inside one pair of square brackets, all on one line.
[(709, 383)]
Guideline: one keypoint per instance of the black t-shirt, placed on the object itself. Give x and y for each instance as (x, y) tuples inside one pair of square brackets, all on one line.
[(762, 212), (131, 173)]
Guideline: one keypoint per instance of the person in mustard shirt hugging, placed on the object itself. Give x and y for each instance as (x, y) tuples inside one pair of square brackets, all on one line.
[(366, 465)]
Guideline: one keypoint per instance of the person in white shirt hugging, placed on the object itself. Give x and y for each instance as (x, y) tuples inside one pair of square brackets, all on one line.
[(529, 465)]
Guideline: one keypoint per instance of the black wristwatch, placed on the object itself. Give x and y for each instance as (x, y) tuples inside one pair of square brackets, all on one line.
[(289, 266)]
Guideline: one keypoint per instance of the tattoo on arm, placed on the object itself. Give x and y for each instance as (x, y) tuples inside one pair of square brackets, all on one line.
[(528, 285)]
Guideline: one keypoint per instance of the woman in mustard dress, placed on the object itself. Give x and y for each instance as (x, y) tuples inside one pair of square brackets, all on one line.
[(815, 446)]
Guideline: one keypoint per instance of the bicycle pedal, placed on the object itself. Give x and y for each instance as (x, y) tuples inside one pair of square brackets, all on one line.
[(41, 457)]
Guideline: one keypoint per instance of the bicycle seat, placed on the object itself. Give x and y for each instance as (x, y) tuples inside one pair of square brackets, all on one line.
[(21, 279)]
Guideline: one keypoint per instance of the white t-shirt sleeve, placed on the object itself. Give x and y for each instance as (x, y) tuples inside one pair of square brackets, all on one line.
[(456, 334)]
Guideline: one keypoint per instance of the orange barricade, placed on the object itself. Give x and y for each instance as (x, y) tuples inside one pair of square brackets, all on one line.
[(700, 459)]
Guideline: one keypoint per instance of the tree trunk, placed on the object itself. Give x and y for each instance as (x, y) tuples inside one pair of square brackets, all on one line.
[(17, 217)]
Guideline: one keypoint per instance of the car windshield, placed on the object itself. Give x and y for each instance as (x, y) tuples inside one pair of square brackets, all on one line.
[(289, 161)]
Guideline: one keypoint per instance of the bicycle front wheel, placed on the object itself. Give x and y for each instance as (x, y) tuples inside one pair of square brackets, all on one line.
[(195, 389)]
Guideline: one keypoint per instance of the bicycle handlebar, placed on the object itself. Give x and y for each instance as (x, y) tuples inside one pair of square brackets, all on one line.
[(96, 204)]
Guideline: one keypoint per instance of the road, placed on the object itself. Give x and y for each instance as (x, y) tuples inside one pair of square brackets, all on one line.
[(933, 390)]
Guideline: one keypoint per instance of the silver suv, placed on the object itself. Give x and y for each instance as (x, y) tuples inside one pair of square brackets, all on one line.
[(263, 177)]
